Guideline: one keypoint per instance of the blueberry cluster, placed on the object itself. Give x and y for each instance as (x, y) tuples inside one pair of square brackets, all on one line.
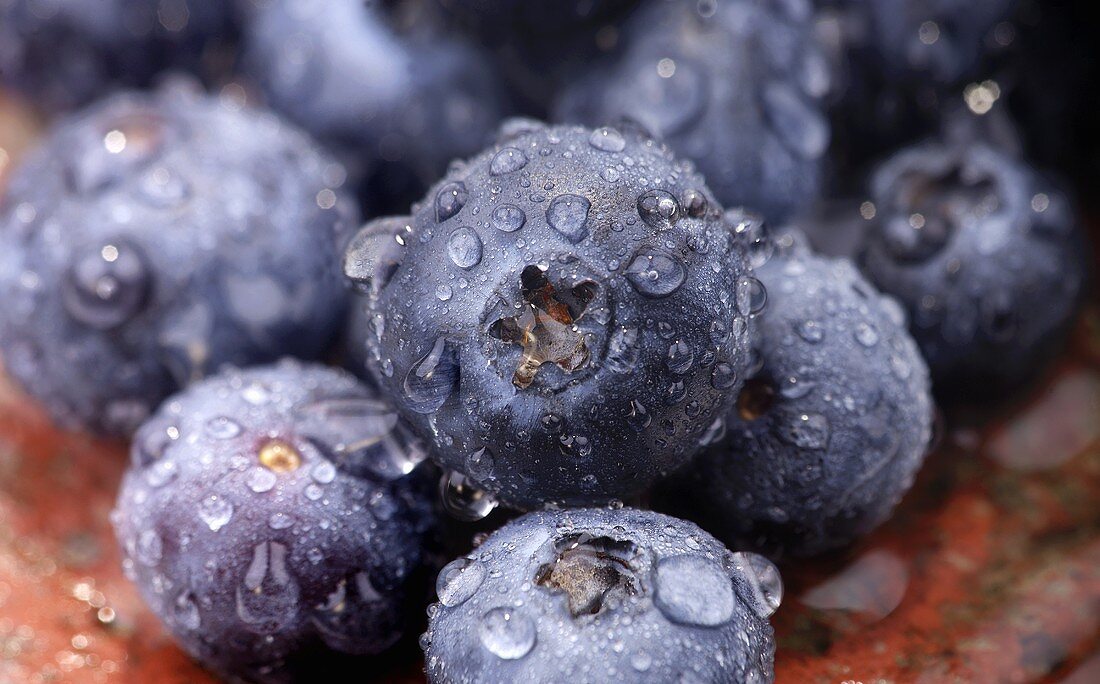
[(592, 281)]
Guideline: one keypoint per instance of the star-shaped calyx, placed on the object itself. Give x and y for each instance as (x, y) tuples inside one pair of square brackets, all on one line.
[(545, 326)]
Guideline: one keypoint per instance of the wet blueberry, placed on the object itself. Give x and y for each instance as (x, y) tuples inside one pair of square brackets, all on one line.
[(984, 254), (382, 82), (598, 595), (65, 54), (827, 435), (268, 513), (154, 238), (533, 326), (735, 86)]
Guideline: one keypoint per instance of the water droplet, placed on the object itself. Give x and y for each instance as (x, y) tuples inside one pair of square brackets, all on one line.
[(360, 436), (692, 590), (680, 357), (508, 160), (161, 473), (433, 378), (506, 633), (261, 480), (810, 330), (607, 139), (323, 473), (763, 582), (751, 297), (222, 427), (866, 335), (724, 376), (280, 521), (568, 214), (480, 464), (658, 208), (450, 199), (639, 417), (458, 581), (215, 511), (267, 599), (694, 202), (507, 218), (185, 612), (641, 661), (655, 274), (622, 350), (464, 247), (444, 292), (462, 499), (106, 286)]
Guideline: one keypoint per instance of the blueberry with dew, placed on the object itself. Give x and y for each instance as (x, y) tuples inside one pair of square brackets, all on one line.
[(269, 514), (986, 257), (563, 316), (830, 430), (735, 86), (159, 236), (600, 595)]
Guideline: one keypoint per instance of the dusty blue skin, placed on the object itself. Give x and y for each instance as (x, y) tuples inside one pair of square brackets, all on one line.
[(387, 85), (633, 246), (735, 86), (158, 237), (65, 54), (829, 432), (984, 254), (600, 595), (258, 534)]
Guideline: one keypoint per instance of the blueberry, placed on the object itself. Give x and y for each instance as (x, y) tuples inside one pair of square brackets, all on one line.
[(386, 84), (267, 512), (65, 54), (831, 428), (735, 86), (599, 595), (983, 253), (564, 315), (157, 237)]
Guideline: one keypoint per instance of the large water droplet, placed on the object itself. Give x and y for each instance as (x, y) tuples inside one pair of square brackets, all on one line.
[(607, 139), (433, 378), (622, 350), (450, 199), (215, 511), (638, 417), (261, 480), (267, 599), (458, 581), (692, 590), (680, 357), (658, 208), (506, 633), (464, 500), (222, 427), (507, 218), (361, 436), (568, 214), (464, 247), (763, 582), (655, 274), (106, 286), (506, 161), (750, 296)]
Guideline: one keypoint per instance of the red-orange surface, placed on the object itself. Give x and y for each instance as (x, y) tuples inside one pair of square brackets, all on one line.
[(989, 572)]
